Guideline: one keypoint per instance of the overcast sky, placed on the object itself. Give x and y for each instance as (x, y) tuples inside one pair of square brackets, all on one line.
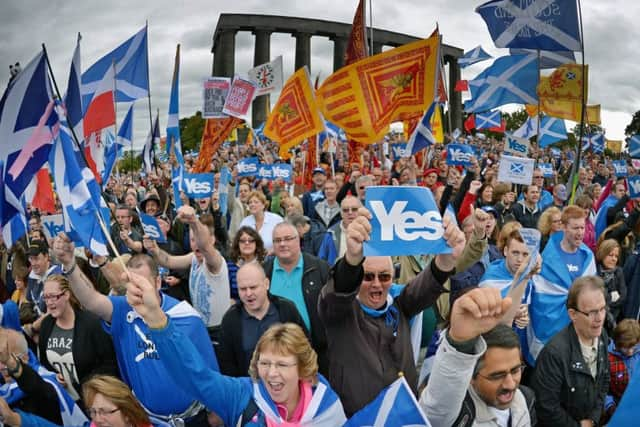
[(610, 33)]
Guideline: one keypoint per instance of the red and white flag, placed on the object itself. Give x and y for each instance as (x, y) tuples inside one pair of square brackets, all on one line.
[(267, 77), (101, 112)]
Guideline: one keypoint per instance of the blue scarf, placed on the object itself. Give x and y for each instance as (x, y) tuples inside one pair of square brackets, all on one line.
[(389, 311)]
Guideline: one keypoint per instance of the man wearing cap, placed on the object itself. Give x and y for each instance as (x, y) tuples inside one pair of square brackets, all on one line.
[(316, 194), (431, 179), (151, 205), (41, 268)]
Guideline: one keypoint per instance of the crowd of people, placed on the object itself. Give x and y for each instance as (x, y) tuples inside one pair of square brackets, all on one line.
[(263, 310)]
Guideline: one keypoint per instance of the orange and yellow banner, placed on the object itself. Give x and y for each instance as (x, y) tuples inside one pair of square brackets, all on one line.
[(565, 83), (614, 145), (566, 110), (437, 127), (215, 132), (365, 97), (295, 115)]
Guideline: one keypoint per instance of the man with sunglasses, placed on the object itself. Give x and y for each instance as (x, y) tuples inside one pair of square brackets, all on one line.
[(475, 379), (368, 318)]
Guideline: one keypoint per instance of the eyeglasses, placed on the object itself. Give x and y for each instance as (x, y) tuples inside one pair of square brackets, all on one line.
[(280, 366), (350, 210), (538, 177), (500, 376), (53, 297), (247, 241), (370, 276), (593, 314), (94, 412), (287, 239)]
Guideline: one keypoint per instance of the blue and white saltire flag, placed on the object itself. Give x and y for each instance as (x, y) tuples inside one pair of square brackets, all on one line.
[(132, 71), (328, 138), (488, 119), (173, 125), (110, 157), (528, 129), (586, 142), (79, 194), (534, 24), (509, 80), (16, 227), (395, 406), (548, 310), (547, 169), (422, 136), (595, 141), (552, 130), (149, 149), (223, 189), (125, 132), (477, 54), (499, 277), (405, 221), (73, 97), (634, 146), (456, 134), (548, 59), (176, 183), (28, 125)]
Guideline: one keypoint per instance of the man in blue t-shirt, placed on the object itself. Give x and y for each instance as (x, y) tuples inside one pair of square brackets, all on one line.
[(138, 360)]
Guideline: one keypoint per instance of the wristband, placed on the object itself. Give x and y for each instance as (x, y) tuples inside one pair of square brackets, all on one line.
[(106, 261), (71, 270)]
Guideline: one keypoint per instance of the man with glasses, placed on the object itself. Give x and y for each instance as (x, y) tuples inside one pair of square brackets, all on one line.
[(349, 211), (572, 373), (299, 277), (367, 317), (546, 199), (127, 239), (475, 379)]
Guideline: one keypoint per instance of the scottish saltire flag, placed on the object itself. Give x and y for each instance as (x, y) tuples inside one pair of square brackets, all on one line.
[(548, 59), (510, 79), (131, 67), (73, 97), (223, 189), (534, 24), (488, 119), (634, 146), (395, 406), (422, 137), (125, 132), (552, 130), (528, 129), (79, 194), (176, 183), (473, 56), (595, 141), (149, 149), (16, 226), (28, 125), (328, 138), (173, 125)]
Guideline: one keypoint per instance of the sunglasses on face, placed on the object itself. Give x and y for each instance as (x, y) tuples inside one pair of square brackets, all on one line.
[(370, 276)]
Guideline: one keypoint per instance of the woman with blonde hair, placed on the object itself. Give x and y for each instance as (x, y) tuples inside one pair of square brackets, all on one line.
[(260, 219), (549, 222)]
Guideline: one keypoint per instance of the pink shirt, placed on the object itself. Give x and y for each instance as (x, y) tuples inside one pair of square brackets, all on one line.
[(306, 393)]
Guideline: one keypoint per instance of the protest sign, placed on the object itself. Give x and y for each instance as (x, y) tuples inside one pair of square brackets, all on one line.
[(214, 94), (197, 185), (517, 170), (152, 228), (459, 155), (634, 186), (620, 168), (248, 166), (516, 146), (52, 225), (399, 150), (405, 221), (547, 169), (239, 98), (275, 171)]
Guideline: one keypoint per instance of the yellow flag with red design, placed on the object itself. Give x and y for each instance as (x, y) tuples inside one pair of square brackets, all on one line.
[(565, 83), (437, 127), (365, 97), (566, 110), (295, 116)]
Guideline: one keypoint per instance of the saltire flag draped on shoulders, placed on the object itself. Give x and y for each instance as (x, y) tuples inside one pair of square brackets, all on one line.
[(510, 79), (149, 149), (565, 83), (475, 55), (131, 71), (173, 126), (214, 133), (548, 58), (422, 137), (73, 97), (295, 115), (79, 194), (395, 406), (634, 146), (28, 125), (517, 24), (488, 119), (363, 98)]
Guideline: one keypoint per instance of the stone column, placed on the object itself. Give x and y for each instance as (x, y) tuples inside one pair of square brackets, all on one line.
[(339, 50), (303, 50), (377, 47), (224, 54), (455, 98), (262, 54)]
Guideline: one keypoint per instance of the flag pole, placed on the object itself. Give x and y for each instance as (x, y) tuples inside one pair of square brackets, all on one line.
[(146, 26), (583, 113), (370, 23), (538, 112)]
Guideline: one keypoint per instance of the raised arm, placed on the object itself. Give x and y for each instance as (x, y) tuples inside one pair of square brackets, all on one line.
[(204, 239), (82, 287), (172, 262)]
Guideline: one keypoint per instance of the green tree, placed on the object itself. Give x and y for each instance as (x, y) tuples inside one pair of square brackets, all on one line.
[(633, 127), (516, 119), (588, 129), (128, 164), (191, 129)]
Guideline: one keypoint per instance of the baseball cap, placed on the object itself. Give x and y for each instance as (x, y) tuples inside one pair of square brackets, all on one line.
[(491, 210), (319, 170), (37, 247)]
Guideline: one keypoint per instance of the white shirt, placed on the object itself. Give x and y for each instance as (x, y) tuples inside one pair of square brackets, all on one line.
[(210, 293), (266, 232)]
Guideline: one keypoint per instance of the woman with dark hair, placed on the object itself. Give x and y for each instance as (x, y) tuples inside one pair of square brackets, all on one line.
[(247, 247), (607, 264), (72, 342)]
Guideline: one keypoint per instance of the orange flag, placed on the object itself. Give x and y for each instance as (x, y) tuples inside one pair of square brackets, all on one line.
[(295, 115), (566, 110), (565, 83), (363, 98), (215, 132)]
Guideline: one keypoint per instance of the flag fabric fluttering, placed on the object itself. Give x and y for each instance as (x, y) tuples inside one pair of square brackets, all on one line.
[(149, 149), (475, 55), (173, 126), (566, 110), (44, 200), (461, 86), (113, 146), (16, 226), (101, 113), (79, 194), (516, 24), (594, 141), (510, 79), (267, 77), (488, 119), (552, 130), (73, 97), (365, 97), (633, 146), (422, 136), (395, 406), (131, 68), (565, 83), (214, 133), (28, 125), (548, 58), (470, 123)]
